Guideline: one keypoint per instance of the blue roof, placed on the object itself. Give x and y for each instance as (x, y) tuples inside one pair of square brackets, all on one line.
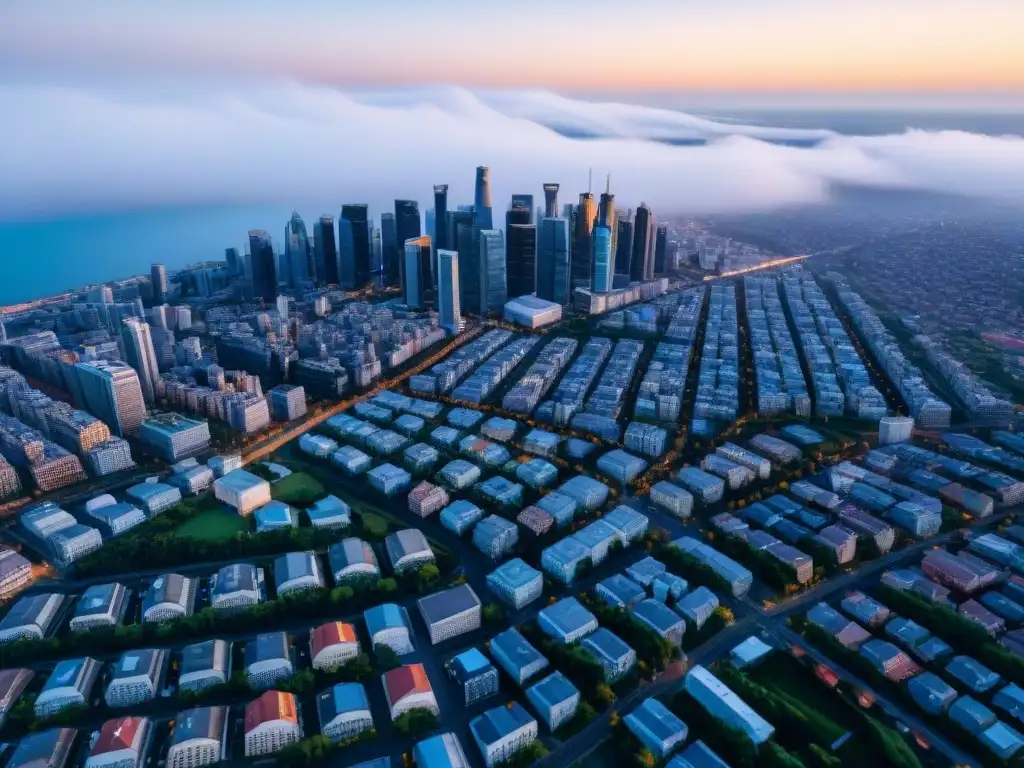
[(514, 649), (341, 698), (496, 723), (607, 643), (382, 617), (441, 751), (658, 614), (552, 690), (654, 718), (275, 512), (515, 573), (596, 533), (471, 662), (567, 615)]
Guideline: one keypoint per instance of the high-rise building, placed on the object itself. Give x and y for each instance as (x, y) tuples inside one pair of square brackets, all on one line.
[(604, 269), (158, 277), (608, 216), (461, 232), (550, 201), (641, 263), (482, 199), (325, 251), (624, 245), (660, 249), (417, 287), (296, 250), (553, 260), (262, 266), (448, 308), (391, 258), (111, 392), (354, 247), (407, 227), (440, 232), (582, 241), (520, 210), (521, 259), (140, 355), (234, 263), (493, 277)]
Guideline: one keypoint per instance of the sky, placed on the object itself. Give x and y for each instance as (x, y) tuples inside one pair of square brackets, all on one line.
[(830, 48)]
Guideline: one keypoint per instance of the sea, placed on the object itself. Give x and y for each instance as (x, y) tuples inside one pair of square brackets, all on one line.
[(47, 256)]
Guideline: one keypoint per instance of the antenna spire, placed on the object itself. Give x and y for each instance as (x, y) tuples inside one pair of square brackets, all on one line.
[(590, 180), (608, 188)]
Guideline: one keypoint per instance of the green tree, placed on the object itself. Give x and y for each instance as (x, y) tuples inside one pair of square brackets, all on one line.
[(386, 656), (416, 723)]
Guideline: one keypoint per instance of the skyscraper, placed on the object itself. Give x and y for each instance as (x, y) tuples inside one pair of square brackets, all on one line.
[(521, 259), (140, 355), (234, 263), (608, 216), (354, 248), (448, 308), (624, 245), (262, 265), (296, 250), (519, 204), (158, 277), (390, 257), (583, 241), (604, 269), (440, 233), (326, 252), (641, 263), (493, 284), (407, 227), (482, 198), (461, 232), (417, 288), (550, 201), (660, 249), (112, 393), (553, 260)]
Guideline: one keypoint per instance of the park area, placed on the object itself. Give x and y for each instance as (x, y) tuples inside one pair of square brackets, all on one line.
[(213, 523)]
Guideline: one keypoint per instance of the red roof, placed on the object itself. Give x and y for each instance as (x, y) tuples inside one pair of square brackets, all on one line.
[(270, 706), (333, 633), (404, 681), (120, 733)]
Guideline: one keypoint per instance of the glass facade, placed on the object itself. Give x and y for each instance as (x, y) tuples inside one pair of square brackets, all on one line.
[(521, 258), (448, 306), (493, 288), (603, 265), (553, 260)]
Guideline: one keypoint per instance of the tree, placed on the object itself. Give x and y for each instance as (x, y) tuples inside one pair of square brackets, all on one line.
[(416, 723), (386, 656), (494, 615), (645, 758), (604, 694)]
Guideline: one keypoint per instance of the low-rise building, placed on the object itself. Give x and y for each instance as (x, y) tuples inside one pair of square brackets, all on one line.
[(330, 513), (333, 645), (555, 699), (722, 703), (154, 498), (101, 605), (275, 516), (889, 660), (137, 677), (69, 685), (567, 620), (475, 675), (502, 732), (975, 675), (513, 653), (698, 606), (344, 711), (268, 659), (271, 723), (204, 665), (614, 655), (669, 496), (662, 619), (620, 592), (656, 727), (495, 536), (564, 557), (388, 625), (242, 491), (450, 612), (72, 543), (933, 694), (389, 479), (200, 737), (297, 572), (171, 596), (407, 688), (236, 586), (44, 749), (115, 519), (32, 617), (441, 751), (122, 743), (172, 436), (516, 583), (353, 560), (426, 499), (408, 549)]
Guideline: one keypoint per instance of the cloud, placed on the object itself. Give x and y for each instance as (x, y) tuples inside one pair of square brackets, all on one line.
[(69, 149)]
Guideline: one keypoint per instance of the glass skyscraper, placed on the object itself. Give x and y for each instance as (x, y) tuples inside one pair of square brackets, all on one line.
[(550, 201), (440, 233), (461, 234), (354, 250), (407, 227), (521, 259), (325, 250), (296, 250), (624, 246), (158, 277), (641, 264), (418, 282), (262, 265), (582, 241), (140, 355), (660, 249), (111, 391), (448, 306), (493, 285), (390, 257), (553, 260), (604, 269)]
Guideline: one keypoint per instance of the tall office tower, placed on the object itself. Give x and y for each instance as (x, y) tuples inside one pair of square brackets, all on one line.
[(112, 393), (440, 232), (449, 310), (163, 347), (550, 201), (325, 251), (430, 224), (624, 245), (660, 248), (234, 262), (493, 274), (262, 265), (607, 216), (158, 277), (140, 355), (377, 255), (521, 203), (390, 255), (482, 198), (521, 259), (583, 241), (354, 247), (461, 232), (416, 273), (407, 227), (553, 260), (641, 263), (604, 267), (296, 250)]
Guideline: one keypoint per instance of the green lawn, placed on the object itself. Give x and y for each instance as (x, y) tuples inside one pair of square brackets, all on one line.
[(299, 489), (213, 525)]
